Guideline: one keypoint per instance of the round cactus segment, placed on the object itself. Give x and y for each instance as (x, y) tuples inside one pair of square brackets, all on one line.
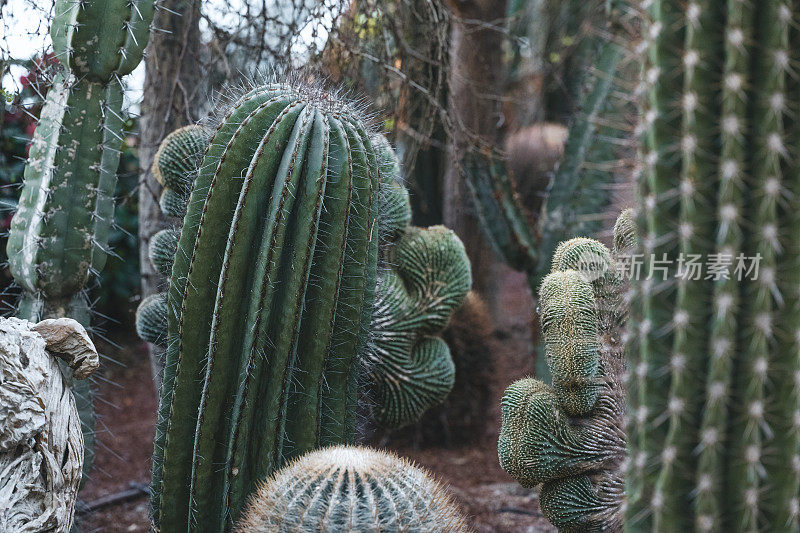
[(428, 279), (179, 156), (591, 258), (570, 332), (161, 252), (349, 488), (151, 319), (625, 236), (173, 203)]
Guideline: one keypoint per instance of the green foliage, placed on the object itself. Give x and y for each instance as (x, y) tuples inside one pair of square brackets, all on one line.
[(347, 488), (569, 436), (714, 363)]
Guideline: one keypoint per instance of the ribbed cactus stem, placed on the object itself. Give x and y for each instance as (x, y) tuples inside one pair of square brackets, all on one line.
[(269, 301), (345, 488), (715, 441)]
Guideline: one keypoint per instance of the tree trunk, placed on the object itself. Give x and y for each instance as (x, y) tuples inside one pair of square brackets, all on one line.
[(476, 81), (172, 76)]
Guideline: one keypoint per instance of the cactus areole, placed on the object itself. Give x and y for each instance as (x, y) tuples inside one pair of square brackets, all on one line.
[(269, 302)]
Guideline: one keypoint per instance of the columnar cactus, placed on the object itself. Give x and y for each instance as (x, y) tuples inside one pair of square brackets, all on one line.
[(269, 301), (59, 234), (425, 279), (527, 240), (715, 423), (279, 324), (569, 436), (346, 488)]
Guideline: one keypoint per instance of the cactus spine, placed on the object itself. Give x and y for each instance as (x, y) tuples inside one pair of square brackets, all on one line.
[(346, 488), (715, 435), (59, 234), (569, 436), (269, 302)]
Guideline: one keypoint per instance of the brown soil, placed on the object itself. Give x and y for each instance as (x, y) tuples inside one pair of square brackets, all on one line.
[(494, 501)]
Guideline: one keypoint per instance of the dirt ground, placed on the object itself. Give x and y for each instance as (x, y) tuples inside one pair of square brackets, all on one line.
[(126, 407)]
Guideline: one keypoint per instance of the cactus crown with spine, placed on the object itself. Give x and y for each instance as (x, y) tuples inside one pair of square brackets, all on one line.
[(292, 189), (569, 436), (714, 365), (348, 488)]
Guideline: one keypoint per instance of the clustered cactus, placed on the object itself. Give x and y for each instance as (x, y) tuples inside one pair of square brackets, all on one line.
[(714, 364), (569, 437), (175, 166), (425, 279), (271, 305), (347, 488), (59, 234)]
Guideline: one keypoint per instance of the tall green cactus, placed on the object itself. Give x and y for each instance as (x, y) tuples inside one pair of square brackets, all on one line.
[(715, 362), (569, 436), (59, 234), (346, 488), (278, 325)]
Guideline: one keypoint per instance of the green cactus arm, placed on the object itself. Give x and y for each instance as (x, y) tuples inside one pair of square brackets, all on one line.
[(138, 33), (100, 32), (107, 182), (502, 216)]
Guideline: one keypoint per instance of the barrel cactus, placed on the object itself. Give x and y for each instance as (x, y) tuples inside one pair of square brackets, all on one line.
[(714, 363), (59, 234), (569, 436), (425, 279), (346, 488)]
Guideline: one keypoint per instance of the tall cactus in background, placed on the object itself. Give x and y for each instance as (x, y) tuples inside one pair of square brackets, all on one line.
[(425, 278), (59, 234), (715, 435), (526, 242), (569, 436)]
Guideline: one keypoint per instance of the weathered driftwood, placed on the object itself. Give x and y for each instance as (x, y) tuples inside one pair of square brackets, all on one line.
[(41, 445)]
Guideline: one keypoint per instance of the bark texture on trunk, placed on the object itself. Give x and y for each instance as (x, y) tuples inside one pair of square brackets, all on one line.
[(172, 76), (475, 84)]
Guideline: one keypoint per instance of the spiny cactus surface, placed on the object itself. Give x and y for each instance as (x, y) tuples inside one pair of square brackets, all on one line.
[(715, 423), (270, 298), (569, 436), (347, 488), (176, 164)]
